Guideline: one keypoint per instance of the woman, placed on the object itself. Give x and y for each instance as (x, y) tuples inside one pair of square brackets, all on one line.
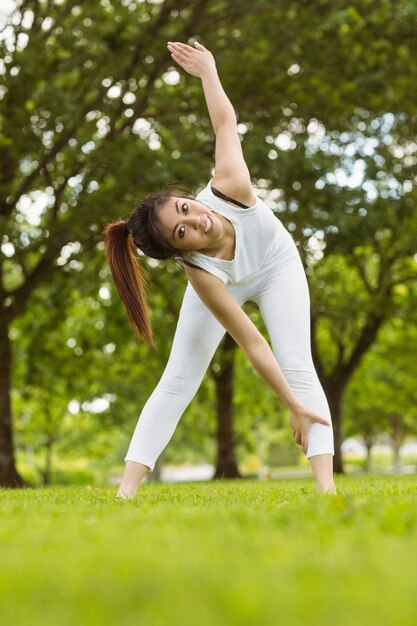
[(233, 249)]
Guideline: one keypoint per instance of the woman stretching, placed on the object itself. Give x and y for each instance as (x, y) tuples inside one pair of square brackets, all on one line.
[(233, 249)]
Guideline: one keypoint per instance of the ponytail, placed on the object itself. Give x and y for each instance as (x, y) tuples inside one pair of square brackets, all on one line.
[(129, 277)]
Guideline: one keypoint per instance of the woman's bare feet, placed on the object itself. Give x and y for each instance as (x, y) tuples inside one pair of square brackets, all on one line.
[(326, 488), (123, 495), (322, 466), (132, 477)]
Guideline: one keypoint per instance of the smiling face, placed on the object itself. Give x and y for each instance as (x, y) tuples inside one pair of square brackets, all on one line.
[(189, 226)]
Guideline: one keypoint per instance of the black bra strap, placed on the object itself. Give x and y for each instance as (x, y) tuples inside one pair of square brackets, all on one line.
[(221, 195)]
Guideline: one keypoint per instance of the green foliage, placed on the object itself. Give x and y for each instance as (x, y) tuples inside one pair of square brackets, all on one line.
[(383, 393), (225, 553), (93, 116)]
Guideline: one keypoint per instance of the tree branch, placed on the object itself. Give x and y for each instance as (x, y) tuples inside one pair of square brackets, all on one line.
[(365, 341), (361, 271), (39, 273)]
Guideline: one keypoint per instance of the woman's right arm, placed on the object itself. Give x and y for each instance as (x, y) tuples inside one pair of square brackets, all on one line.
[(212, 291), (231, 172)]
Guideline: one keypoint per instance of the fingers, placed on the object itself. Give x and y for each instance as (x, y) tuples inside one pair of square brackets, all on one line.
[(304, 442), (317, 419), (321, 420), (177, 52), (184, 49), (301, 438), (296, 434), (303, 421), (181, 54), (179, 47)]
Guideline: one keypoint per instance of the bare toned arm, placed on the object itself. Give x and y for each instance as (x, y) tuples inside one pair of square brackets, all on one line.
[(231, 172)]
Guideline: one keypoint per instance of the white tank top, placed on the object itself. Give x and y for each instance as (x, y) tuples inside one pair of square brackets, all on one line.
[(257, 232)]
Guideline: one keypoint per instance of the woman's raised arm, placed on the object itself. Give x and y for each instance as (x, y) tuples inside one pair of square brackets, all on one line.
[(231, 172)]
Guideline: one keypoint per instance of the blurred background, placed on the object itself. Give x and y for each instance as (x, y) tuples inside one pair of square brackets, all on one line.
[(94, 115)]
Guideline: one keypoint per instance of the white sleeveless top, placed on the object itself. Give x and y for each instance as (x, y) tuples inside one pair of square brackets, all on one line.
[(257, 231)]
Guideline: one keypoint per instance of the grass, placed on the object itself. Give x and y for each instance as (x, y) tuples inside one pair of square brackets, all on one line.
[(211, 554)]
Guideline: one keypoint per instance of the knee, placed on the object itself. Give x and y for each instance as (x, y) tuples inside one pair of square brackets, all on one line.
[(179, 385), (300, 375)]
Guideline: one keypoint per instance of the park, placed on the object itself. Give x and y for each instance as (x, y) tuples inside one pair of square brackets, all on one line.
[(96, 113)]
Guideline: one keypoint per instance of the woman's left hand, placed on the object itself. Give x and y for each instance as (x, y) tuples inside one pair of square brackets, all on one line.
[(196, 61), (302, 418)]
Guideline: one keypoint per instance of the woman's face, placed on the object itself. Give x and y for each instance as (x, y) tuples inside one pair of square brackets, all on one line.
[(189, 225)]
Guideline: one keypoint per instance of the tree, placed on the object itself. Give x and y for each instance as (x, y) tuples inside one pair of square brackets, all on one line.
[(66, 118), (383, 396), (340, 166), (106, 98)]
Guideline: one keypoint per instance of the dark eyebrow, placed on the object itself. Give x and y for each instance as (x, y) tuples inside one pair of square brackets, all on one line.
[(175, 227)]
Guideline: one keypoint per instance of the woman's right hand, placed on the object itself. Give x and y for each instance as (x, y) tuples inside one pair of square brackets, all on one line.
[(194, 60), (302, 418)]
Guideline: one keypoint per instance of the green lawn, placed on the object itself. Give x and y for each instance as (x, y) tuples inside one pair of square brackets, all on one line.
[(212, 554)]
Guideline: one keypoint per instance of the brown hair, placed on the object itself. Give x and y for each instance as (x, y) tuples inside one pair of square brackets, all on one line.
[(142, 230)]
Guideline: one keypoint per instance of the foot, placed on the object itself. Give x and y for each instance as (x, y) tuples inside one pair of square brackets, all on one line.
[(125, 494), (326, 488), (132, 477), (322, 466)]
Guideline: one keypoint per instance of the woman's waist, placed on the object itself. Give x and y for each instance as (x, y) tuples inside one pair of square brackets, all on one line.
[(280, 246)]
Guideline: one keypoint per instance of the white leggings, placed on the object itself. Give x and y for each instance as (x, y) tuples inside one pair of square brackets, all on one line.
[(280, 289)]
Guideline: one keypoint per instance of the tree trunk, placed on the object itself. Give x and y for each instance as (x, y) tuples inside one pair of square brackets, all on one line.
[(397, 457), (369, 442), (226, 466), (398, 433), (334, 393), (368, 460), (47, 472), (155, 475), (9, 476), (336, 383)]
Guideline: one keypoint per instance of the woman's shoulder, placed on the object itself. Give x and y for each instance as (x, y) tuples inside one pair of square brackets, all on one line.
[(219, 196), (233, 188)]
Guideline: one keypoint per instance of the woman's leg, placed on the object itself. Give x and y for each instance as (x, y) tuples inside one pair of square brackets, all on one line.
[(133, 475), (197, 336), (322, 466), (285, 307)]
